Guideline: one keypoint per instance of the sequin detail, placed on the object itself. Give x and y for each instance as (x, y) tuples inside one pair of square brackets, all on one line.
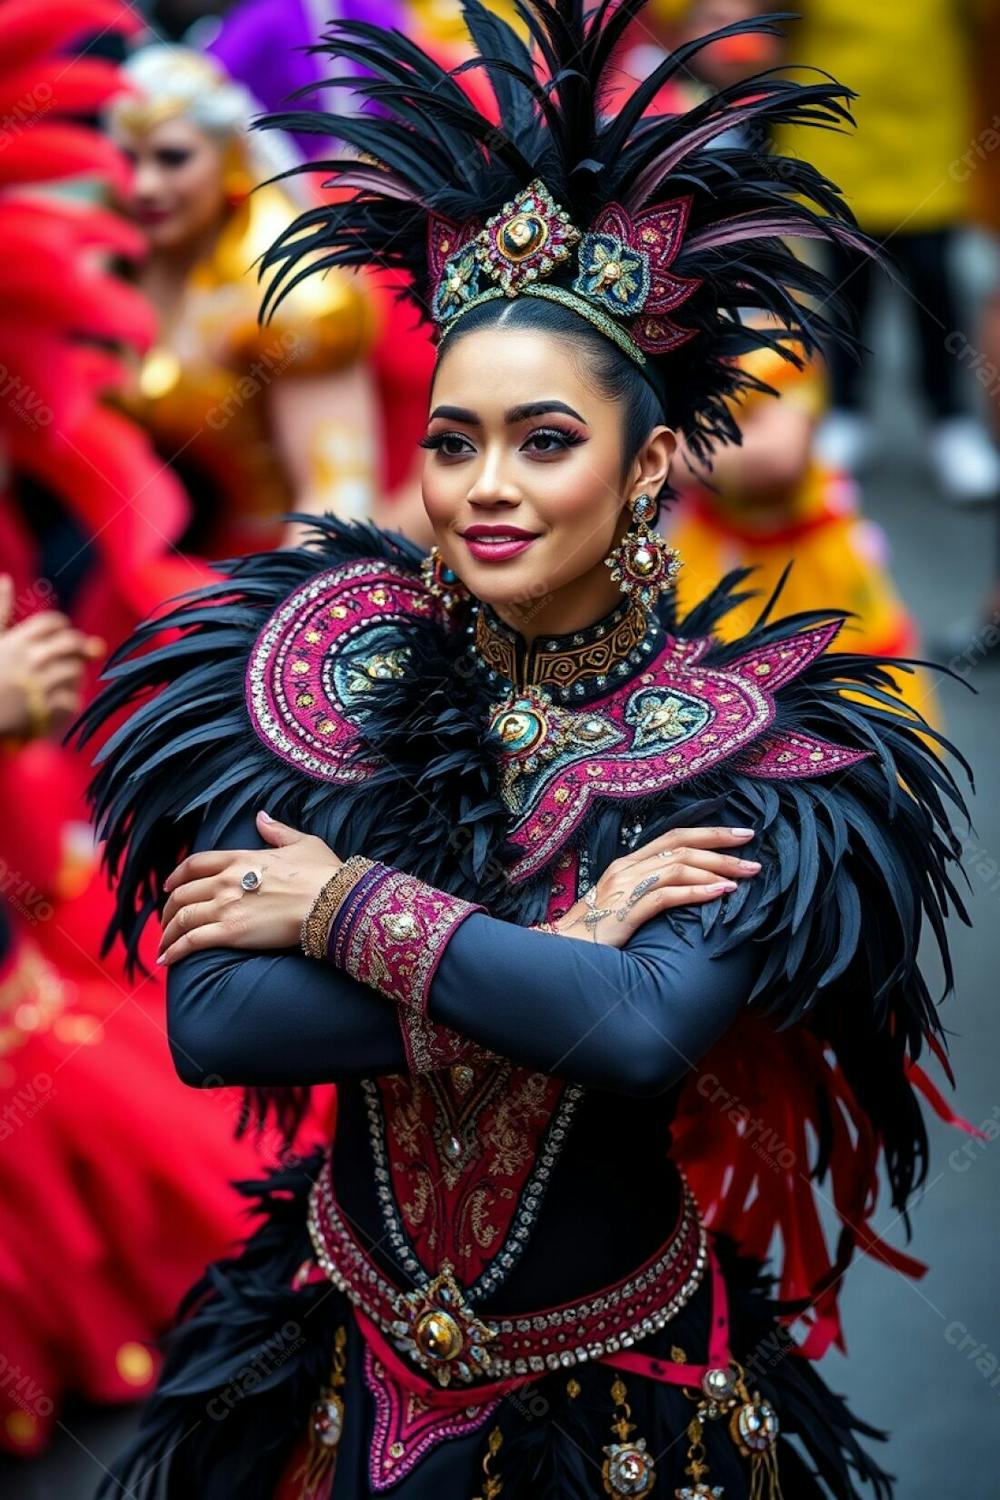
[(406, 1427), (669, 723), (521, 1344), (317, 657)]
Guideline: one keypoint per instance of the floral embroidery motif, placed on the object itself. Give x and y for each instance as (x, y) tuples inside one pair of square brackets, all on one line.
[(459, 283), (655, 237), (613, 274)]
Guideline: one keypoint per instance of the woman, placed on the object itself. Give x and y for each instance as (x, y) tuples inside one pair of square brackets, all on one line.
[(256, 421), (560, 863)]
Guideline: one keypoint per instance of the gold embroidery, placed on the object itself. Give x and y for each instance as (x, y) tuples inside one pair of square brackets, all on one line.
[(508, 1137), (567, 664)]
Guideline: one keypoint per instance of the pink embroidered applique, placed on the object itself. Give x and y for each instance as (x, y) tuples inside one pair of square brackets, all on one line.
[(790, 755), (675, 720), (318, 656), (399, 935), (406, 1427)]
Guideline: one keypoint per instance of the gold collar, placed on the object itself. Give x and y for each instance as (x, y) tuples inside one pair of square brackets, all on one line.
[(579, 662)]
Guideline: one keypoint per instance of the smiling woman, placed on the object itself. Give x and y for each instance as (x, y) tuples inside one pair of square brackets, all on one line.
[(528, 494), (536, 849)]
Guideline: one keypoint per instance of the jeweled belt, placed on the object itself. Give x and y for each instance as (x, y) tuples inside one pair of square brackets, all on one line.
[(437, 1328)]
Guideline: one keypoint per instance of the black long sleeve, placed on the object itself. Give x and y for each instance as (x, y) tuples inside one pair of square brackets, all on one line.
[(632, 1020)]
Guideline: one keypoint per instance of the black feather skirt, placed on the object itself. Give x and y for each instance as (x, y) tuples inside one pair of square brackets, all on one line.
[(251, 1354)]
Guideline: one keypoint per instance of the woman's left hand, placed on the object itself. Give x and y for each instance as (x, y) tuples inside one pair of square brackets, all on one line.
[(209, 907)]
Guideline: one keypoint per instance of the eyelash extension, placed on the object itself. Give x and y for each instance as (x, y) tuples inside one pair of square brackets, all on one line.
[(568, 437)]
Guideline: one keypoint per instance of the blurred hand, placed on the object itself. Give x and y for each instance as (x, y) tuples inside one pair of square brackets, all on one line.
[(42, 662), (685, 867)]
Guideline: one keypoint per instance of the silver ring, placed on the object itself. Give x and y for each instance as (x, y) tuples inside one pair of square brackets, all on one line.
[(251, 880)]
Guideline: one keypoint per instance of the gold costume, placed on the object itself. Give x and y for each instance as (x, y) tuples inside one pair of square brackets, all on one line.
[(202, 392)]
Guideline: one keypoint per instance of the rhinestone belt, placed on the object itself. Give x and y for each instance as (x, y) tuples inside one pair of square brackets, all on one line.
[(436, 1327)]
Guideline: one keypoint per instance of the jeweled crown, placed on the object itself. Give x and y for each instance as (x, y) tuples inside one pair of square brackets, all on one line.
[(617, 273)]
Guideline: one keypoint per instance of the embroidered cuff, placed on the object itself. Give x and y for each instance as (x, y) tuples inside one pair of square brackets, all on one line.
[(393, 938)]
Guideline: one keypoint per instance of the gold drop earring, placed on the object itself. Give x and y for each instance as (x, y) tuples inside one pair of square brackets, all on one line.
[(643, 564)]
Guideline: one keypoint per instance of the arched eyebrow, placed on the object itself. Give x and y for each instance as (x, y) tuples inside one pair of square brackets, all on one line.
[(539, 409), (512, 417)]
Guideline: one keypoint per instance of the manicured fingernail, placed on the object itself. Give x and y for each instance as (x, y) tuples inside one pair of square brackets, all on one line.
[(749, 864), (162, 958), (742, 833), (725, 885), (265, 817)]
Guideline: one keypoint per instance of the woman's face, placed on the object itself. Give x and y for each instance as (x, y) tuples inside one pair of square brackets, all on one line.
[(177, 194), (523, 480)]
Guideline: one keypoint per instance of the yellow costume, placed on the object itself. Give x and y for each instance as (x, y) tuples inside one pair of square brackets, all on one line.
[(203, 393), (908, 61), (839, 556)]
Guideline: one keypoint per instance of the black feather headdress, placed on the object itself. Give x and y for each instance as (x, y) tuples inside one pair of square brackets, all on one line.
[(658, 229)]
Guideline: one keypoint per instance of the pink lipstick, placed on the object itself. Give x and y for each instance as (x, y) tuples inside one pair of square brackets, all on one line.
[(497, 543)]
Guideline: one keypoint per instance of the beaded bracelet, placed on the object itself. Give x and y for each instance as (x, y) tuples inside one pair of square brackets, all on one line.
[(317, 921), (339, 935)]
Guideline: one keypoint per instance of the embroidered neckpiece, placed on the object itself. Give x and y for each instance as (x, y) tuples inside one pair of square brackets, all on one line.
[(572, 665)]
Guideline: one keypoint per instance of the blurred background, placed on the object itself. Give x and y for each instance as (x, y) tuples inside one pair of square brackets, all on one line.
[(149, 425)]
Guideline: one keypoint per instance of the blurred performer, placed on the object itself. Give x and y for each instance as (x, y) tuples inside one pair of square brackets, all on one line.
[(967, 642), (257, 421), (905, 178), (101, 1205), (770, 502), (100, 1211), (265, 44)]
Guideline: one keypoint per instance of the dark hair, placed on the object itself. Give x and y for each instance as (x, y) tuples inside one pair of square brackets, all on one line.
[(616, 376)]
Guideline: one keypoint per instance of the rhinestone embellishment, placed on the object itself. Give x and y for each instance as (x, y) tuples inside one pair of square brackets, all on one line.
[(526, 240), (441, 1332), (629, 1469)]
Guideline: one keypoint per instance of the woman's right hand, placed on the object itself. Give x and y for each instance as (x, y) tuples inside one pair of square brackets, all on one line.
[(41, 671), (685, 867)]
